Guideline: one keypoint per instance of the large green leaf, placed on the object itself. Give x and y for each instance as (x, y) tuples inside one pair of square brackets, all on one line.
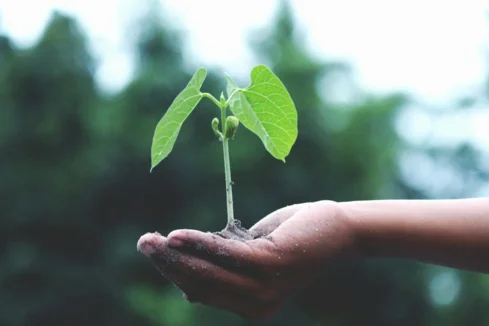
[(169, 126), (266, 108)]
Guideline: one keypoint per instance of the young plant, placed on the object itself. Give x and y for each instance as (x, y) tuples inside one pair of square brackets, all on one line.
[(265, 108)]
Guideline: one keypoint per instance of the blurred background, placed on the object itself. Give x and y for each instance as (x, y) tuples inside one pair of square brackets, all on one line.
[(392, 103)]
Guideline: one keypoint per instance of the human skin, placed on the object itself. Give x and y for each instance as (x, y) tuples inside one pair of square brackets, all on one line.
[(253, 278)]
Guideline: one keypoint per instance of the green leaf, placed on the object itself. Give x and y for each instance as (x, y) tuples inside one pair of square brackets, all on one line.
[(167, 129), (266, 108)]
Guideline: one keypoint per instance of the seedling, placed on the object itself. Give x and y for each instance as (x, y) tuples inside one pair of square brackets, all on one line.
[(265, 108)]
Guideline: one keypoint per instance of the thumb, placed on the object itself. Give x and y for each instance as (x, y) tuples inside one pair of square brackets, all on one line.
[(273, 220)]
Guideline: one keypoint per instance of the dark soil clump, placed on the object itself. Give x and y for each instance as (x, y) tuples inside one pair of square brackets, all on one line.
[(234, 231)]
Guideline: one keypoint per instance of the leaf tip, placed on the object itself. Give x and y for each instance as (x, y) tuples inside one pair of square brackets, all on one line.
[(154, 163), (259, 67), (228, 78), (201, 74), (278, 157)]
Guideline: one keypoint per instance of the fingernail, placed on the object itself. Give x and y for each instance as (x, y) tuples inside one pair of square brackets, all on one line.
[(147, 244), (146, 249), (176, 242)]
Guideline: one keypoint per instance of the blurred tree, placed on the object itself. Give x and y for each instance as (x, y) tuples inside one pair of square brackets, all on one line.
[(177, 194), (344, 152), (76, 191), (50, 243), (337, 144)]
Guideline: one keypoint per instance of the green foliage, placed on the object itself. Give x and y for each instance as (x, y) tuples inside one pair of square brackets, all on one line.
[(266, 108), (76, 195), (167, 130)]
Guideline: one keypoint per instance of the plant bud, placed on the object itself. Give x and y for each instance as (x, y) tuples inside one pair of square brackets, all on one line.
[(222, 99), (215, 127), (232, 124), (215, 123)]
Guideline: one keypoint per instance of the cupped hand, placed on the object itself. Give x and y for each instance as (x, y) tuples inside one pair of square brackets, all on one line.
[(253, 278)]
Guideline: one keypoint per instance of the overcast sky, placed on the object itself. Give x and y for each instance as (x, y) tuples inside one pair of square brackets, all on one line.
[(436, 50)]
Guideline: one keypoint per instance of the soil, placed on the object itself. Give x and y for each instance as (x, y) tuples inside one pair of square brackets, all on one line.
[(234, 231)]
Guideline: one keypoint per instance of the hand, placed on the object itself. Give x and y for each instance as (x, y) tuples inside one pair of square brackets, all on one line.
[(253, 278)]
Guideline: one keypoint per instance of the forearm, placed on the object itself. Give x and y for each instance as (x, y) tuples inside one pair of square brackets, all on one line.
[(453, 233)]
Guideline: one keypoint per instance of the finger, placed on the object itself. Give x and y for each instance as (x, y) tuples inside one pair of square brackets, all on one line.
[(223, 252), (269, 223), (247, 306), (155, 246), (311, 226), (186, 267), (150, 243)]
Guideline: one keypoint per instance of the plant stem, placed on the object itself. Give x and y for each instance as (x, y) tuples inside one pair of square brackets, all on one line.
[(231, 96), (225, 147), (212, 98), (227, 169)]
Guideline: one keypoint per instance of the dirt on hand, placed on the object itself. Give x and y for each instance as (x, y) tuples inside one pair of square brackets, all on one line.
[(234, 231)]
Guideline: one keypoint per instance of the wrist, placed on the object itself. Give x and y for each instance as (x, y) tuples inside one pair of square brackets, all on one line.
[(342, 227), (361, 245)]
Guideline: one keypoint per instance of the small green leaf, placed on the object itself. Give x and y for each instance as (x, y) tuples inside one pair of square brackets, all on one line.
[(167, 129), (232, 124), (266, 108)]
